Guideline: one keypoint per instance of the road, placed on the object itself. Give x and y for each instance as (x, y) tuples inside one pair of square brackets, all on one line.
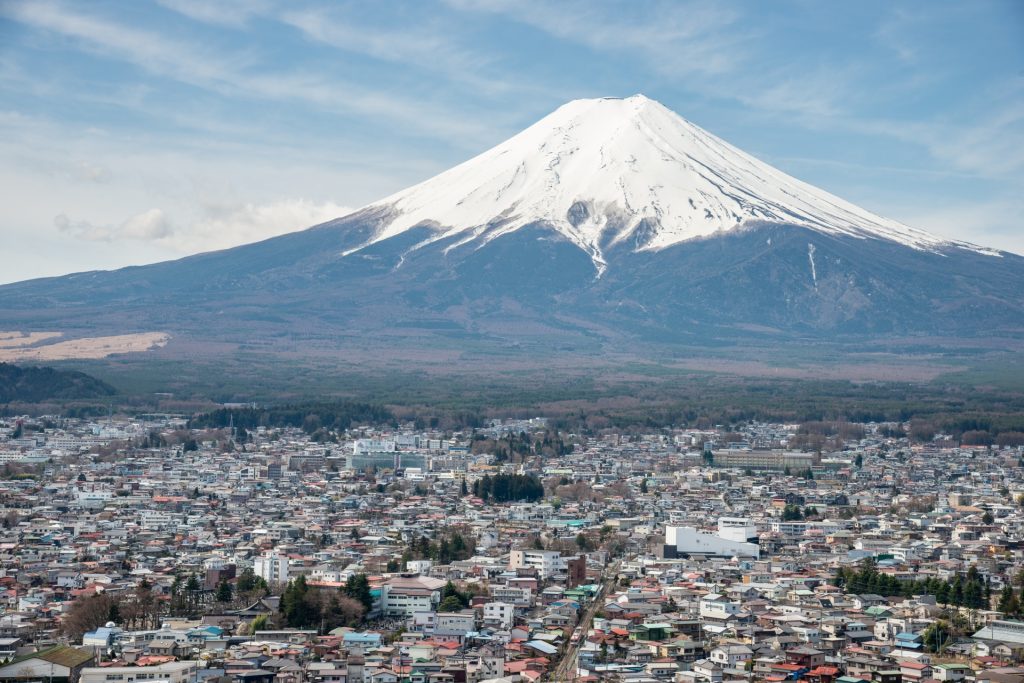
[(566, 668)]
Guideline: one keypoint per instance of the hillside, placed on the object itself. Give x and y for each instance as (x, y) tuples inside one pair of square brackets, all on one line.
[(32, 384)]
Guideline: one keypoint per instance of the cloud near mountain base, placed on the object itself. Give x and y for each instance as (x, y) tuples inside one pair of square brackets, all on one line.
[(218, 226)]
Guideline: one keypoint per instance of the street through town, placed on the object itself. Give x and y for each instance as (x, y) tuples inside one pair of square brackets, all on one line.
[(566, 668)]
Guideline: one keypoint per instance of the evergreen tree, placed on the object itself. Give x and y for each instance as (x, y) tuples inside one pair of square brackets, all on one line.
[(1008, 604), (224, 592), (357, 587), (295, 606)]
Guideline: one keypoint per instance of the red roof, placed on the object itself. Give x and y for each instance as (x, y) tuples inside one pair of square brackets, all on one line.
[(917, 666)]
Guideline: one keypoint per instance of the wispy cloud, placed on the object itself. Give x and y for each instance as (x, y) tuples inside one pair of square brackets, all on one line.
[(676, 38), (226, 225), (990, 145), (242, 75), (146, 226), (230, 13), (219, 225)]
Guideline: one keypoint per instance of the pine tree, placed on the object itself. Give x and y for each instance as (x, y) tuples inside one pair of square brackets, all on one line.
[(357, 587), (224, 592), (1008, 604)]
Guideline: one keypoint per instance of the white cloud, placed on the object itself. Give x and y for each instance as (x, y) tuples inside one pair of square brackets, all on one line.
[(89, 172), (218, 226), (222, 226), (231, 13), (146, 226)]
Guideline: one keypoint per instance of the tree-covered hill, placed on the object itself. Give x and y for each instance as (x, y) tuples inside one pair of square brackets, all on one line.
[(30, 384)]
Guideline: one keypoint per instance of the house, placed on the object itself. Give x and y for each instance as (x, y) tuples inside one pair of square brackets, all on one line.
[(914, 671), (806, 657), (731, 656), (951, 672), (707, 670), (167, 647), (862, 602), (60, 664), (1011, 652)]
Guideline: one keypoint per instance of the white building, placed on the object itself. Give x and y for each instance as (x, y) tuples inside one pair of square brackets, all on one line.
[(546, 562), (363, 446), (418, 566), (740, 529), (93, 498), (718, 606), (686, 541), (731, 656), (169, 672), (499, 614), (272, 567), (406, 595), (454, 625)]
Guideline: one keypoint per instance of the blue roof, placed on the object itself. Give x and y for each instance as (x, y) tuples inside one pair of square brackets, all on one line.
[(102, 633), (541, 646), (208, 628), (361, 637)]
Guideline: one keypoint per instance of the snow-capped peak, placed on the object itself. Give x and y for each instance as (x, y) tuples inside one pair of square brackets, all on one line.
[(604, 171)]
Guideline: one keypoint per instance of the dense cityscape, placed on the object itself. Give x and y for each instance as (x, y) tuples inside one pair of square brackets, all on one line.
[(142, 549)]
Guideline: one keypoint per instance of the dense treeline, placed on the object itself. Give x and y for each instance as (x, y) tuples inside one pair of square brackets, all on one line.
[(971, 590), (305, 606), (33, 384), (443, 550), (578, 404), (311, 417), (503, 488), (714, 401), (516, 447)]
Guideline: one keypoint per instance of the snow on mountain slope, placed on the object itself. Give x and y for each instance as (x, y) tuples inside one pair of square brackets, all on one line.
[(609, 171)]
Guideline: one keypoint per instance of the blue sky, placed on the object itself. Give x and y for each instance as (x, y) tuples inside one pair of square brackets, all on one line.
[(133, 131)]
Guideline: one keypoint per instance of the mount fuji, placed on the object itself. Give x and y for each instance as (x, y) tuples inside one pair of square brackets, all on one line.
[(610, 224), (610, 171)]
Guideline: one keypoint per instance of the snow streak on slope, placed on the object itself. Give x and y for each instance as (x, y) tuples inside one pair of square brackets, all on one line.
[(630, 171)]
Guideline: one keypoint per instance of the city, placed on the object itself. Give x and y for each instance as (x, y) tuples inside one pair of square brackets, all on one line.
[(139, 549)]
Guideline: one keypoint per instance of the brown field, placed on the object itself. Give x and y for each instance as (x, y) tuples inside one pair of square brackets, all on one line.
[(22, 339), (18, 346)]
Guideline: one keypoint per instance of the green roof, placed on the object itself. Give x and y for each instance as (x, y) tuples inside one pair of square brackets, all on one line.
[(61, 655)]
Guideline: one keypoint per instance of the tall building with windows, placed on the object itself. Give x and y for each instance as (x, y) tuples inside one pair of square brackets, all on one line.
[(272, 567)]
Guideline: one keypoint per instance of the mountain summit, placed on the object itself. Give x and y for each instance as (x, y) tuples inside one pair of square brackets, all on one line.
[(610, 171), (611, 226)]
